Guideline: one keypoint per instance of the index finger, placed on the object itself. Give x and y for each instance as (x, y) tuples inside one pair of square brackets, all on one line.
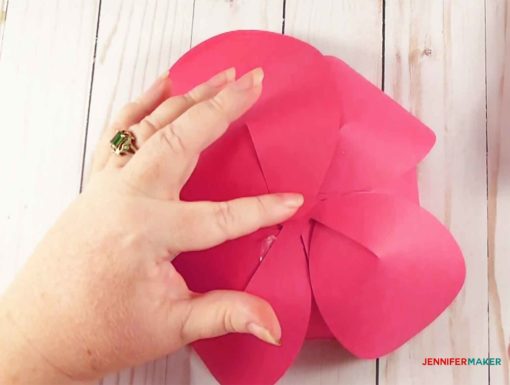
[(209, 224)]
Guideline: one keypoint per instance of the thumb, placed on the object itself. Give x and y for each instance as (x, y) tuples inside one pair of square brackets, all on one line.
[(223, 311)]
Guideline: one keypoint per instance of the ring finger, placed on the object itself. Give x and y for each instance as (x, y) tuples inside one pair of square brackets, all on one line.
[(172, 108)]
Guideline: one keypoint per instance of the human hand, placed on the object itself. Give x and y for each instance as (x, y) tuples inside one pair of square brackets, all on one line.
[(100, 292)]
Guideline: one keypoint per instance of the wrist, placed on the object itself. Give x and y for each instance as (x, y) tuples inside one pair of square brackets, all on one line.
[(21, 363)]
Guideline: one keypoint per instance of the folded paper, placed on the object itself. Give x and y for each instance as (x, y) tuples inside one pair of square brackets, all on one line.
[(361, 261)]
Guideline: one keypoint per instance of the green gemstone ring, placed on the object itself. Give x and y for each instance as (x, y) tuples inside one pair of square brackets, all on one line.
[(123, 142)]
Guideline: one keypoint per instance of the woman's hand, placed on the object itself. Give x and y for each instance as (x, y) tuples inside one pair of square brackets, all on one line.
[(99, 293)]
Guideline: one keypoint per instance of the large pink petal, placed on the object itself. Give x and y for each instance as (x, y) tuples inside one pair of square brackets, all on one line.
[(406, 186), (382, 269), (379, 140), (282, 279), (294, 125), (294, 122)]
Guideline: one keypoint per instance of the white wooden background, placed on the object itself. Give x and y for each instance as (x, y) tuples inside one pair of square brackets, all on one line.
[(66, 66)]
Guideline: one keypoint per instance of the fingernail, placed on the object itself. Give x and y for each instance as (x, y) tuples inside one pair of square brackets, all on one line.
[(250, 80), (263, 334), (222, 78), (291, 200)]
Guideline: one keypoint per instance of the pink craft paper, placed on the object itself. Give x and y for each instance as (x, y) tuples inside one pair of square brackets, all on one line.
[(361, 261)]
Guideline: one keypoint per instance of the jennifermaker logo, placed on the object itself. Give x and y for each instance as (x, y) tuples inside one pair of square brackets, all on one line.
[(463, 361)]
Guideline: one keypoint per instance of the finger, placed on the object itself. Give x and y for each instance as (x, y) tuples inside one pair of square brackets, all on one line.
[(208, 224), (165, 162), (173, 107), (131, 114), (220, 312)]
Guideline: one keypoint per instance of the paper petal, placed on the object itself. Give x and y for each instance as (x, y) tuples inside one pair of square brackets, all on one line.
[(405, 186), (296, 116), (217, 175), (317, 328), (378, 141), (216, 178), (294, 124), (382, 269), (282, 279)]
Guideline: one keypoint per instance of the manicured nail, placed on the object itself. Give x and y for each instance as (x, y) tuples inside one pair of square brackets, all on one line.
[(291, 200), (251, 79), (222, 78), (263, 334)]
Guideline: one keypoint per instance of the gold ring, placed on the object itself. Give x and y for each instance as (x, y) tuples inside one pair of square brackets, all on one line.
[(123, 142)]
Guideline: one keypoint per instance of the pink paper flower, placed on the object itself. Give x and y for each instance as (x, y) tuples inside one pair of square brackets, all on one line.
[(374, 266)]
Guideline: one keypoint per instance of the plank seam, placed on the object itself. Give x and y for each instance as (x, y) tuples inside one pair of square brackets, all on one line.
[(192, 24), (87, 121), (283, 16), (487, 181), (383, 49)]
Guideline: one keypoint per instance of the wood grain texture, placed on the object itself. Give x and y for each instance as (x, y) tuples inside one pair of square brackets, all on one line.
[(435, 66), (498, 130), (212, 17), (349, 29), (137, 41), (44, 85)]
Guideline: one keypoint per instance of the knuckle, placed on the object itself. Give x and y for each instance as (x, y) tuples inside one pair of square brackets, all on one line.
[(185, 336), (186, 100), (149, 124), (190, 97), (171, 138), (260, 205), (217, 108), (225, 218), (227, 319)]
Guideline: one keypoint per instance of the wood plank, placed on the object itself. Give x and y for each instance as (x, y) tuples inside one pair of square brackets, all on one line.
[(348, 29), (435, 67), (352, 31), (213, 17), (137, 42), (45, 70), (498, 115)]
